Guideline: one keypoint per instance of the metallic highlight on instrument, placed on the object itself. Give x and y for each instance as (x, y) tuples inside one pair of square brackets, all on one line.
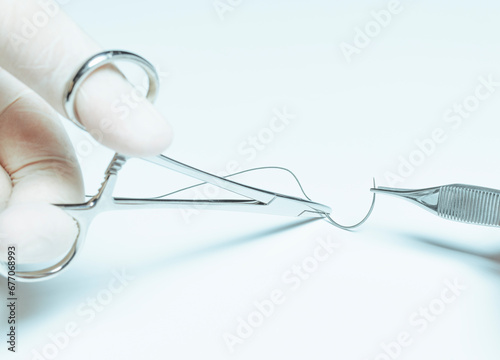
[(463, 203), (257, 200), (96, 62)]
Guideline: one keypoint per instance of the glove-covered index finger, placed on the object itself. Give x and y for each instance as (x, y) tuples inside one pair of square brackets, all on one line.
[(43, 48)]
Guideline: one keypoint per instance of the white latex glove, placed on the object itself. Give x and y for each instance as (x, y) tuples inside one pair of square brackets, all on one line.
[(40, 49)]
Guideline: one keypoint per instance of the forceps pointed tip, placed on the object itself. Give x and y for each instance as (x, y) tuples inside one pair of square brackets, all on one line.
[(383, 190), (426, 198)]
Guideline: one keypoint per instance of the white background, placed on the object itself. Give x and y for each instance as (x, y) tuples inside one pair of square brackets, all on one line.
[(222, 77)]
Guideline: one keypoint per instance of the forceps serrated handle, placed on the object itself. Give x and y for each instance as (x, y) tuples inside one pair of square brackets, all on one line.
[(469, 204), (116, 164)]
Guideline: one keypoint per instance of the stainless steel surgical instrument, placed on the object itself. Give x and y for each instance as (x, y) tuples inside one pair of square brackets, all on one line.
[(463, 203), (256, 200)]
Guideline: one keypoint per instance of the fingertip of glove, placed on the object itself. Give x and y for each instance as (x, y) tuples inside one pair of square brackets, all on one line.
[(119, 117)]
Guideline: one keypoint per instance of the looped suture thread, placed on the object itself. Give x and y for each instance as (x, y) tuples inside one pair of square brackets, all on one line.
[(326, 216)]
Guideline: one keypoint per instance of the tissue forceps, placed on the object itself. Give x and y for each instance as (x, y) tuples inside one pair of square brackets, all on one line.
[(258, 200), (457, 202)]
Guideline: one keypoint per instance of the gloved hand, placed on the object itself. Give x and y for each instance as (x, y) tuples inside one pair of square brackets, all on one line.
[(40, 49)]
